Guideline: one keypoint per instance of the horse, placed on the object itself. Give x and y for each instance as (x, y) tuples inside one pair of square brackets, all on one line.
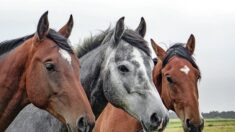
[(175, 75), (116, 67), (42, 69), (179, 75)]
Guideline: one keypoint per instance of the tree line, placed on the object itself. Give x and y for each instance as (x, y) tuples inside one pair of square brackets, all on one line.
[(216, 114), (212, 114)]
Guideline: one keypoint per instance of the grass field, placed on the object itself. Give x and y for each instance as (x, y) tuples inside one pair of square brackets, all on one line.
[(211, 125)]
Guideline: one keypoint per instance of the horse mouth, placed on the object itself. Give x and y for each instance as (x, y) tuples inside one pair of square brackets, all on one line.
[(193, 128), (145, 128)]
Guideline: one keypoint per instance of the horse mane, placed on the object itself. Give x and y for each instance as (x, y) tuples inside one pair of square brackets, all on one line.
[(91, 43), (130, 36), (8, 45), (179, 50)]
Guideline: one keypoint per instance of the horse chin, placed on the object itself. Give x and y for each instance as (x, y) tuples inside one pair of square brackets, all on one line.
[(145, 129)]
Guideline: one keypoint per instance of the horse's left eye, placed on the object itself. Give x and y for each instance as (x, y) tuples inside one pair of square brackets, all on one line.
[(123, 68), (49, 66)]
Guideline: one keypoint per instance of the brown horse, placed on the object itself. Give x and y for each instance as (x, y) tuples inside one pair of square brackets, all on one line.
[(42, 69), (175, 75)]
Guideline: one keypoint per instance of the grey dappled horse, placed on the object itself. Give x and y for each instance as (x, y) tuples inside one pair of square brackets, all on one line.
[(116, 67)]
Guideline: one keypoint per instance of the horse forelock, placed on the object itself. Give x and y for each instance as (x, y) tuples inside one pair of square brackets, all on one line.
[(134, 39), (179, 50), (60, 40)]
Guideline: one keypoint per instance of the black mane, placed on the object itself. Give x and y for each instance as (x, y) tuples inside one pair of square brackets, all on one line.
[(61, 41), (179, 50), (8, 45), (130, 36), (91, 43)]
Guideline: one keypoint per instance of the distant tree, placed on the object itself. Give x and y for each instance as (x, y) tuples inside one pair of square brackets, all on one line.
[(216, 114), (212, 114)]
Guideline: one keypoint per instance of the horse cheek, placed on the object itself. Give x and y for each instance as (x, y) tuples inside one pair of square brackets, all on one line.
[(36, 90)]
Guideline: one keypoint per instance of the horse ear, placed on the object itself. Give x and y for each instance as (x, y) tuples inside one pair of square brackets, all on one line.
[(141, 29), (43, 26), (161, 53), (119, 30), (190, 46), (67, 28)]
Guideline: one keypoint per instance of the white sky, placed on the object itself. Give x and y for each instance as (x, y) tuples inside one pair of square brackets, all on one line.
[(168, 21)]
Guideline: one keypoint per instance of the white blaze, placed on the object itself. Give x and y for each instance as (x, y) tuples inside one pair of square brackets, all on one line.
[(65, 55), (185, 69), (137, 56)]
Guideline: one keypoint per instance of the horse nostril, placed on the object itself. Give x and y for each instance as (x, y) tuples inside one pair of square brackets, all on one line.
[(82, 124), (188, 122), (155, 120)]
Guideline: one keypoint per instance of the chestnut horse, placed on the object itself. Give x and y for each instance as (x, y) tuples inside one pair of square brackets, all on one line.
[(175, 75), (42, 69)]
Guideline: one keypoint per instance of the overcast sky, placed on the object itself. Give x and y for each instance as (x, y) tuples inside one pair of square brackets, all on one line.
[(168, 21)]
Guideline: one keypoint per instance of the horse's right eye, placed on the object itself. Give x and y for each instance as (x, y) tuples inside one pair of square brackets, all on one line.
[(50, 67), (169, 79), (155, 61)]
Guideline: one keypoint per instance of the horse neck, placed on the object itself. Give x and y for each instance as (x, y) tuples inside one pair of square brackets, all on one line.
[(91, 67), (12, 84)]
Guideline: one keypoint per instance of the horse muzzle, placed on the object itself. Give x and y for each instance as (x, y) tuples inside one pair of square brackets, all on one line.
[(190, 127), (82, 125), (156, 123)]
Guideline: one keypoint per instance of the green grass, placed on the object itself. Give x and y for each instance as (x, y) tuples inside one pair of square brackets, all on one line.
[(211, 125)]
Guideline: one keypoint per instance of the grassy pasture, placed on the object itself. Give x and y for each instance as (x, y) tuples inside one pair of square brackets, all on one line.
[(211, 125)]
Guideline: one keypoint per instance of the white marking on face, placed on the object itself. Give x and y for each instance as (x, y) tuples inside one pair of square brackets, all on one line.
[(65, 55), (185, 69), (139, 58)]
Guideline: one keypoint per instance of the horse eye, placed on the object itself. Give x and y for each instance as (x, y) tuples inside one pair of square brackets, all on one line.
[(123, 68), (155, 61), (169, 79), (49, 66)]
